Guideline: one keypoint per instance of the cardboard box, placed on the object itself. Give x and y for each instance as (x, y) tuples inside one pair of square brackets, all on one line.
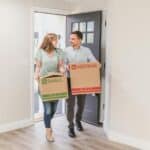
[(53, 87), (85, 78)]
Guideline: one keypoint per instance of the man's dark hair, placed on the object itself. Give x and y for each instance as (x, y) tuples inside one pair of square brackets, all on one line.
[(79, 34)]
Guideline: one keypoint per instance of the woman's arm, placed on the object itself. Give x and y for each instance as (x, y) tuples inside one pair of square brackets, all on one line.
[(61, 66), (37, 70)]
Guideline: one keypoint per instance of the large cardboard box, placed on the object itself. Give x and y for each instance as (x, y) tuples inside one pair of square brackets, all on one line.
[(85, 78), (53, 87)]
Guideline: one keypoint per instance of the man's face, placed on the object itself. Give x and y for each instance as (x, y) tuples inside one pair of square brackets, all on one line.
[(74, 40)]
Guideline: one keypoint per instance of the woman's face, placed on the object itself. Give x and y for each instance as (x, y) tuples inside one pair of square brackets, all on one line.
[(55, 42)]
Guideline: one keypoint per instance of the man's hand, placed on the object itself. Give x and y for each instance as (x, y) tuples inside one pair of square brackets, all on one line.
[(67, 67)]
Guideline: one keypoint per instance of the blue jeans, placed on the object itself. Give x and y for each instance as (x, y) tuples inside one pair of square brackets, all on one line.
[(49, 111)]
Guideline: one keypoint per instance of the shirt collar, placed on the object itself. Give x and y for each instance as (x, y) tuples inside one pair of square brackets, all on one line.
[(76, 48)]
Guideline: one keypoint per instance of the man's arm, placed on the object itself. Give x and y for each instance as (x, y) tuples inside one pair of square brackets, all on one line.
[(90, 56)]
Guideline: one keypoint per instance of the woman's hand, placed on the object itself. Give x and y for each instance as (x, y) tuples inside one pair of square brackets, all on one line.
[(37, 71), (37, 77), (62, 70), (61, 67), (67, 68)]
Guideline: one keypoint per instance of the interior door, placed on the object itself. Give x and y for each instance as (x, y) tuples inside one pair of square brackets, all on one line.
[(90, 25)]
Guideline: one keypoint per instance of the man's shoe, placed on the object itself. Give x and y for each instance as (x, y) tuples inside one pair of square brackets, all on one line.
[(72, 133), (79, 126)]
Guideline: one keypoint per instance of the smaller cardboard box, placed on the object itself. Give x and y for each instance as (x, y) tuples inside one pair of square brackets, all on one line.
[(53, 87), (85, 78)]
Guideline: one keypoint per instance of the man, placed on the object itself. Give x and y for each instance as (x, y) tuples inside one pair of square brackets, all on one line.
[(76, 54)]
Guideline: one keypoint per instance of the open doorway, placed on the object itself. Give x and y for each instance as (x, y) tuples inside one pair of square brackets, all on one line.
[(92, 25), (47, 23)]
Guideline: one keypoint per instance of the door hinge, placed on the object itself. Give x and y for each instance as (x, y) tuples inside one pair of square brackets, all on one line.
[(103, 106), (105, 23)]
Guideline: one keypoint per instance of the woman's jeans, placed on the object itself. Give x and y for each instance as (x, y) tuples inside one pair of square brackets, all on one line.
[(49, 111)]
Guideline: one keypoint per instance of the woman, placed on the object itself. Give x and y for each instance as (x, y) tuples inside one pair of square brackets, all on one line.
[(49, 59)]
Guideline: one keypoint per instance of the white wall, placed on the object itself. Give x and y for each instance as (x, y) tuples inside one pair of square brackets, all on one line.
[(15, 49), (88, 5), (129, 47), (54, 4), (15, 60)]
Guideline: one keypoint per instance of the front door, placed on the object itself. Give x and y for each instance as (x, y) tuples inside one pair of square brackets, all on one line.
[(90, 25)]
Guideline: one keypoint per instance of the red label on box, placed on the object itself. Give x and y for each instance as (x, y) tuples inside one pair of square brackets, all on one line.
[(82, 66), (85, 90)]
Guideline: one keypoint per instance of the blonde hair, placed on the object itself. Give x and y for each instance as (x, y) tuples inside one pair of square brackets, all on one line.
[(47, 44)]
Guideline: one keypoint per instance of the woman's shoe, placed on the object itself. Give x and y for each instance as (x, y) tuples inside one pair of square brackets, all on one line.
[(49, 135)]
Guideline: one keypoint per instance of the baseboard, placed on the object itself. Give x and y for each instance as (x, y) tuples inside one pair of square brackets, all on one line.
[(15, 125), (120, 138)]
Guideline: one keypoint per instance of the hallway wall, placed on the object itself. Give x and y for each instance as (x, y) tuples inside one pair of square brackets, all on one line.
[(16, 52), (15, 48), (128, 35)]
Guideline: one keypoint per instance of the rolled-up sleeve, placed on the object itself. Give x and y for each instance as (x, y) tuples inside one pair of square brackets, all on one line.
[(90, 56), (38, 55)]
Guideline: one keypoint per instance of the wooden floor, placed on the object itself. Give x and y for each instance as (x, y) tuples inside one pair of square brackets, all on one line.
[(33, 138)]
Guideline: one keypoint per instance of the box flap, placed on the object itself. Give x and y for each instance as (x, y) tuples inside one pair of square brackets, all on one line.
[(52, 74)]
